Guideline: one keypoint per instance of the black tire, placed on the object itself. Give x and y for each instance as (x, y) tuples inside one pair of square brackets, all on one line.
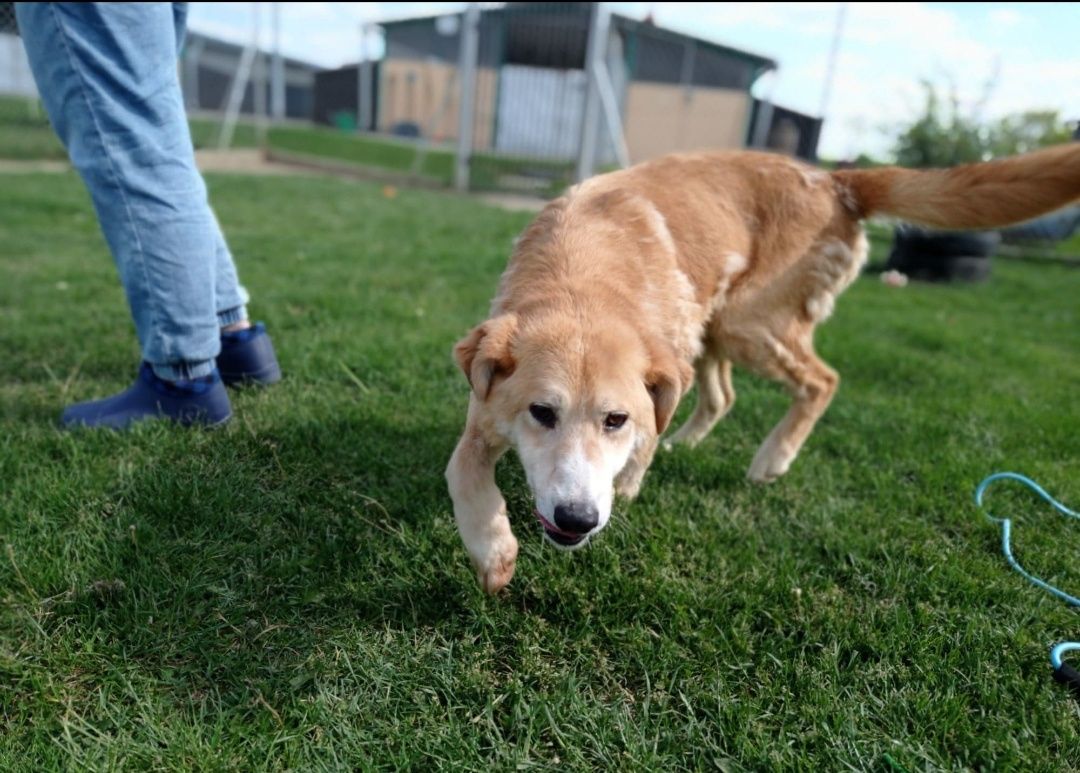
[(943, 256), (965, 268)]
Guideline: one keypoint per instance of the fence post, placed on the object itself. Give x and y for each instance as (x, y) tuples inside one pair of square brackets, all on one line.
[(599, 23), (192, 55), (365, 80), (235, 98), (277, 68), (834, 50), (467, 65), (763, 121), (259, 81)]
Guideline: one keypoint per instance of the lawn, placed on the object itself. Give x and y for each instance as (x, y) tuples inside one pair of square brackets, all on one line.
[(290, 592), (435, 164), (25, 134), (400, 156)]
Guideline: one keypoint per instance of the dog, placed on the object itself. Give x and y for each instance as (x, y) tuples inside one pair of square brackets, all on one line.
[(637, 283)]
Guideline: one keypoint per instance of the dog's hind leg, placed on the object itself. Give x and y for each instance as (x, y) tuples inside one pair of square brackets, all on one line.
[(812, 384), (715, 398), (480, 510), (784, 350)]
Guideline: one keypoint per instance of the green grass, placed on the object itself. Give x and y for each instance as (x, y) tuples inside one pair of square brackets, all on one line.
[(488, 171), (394, 155), (1067, 250), (25, 134), (290, 592), (205, 132)]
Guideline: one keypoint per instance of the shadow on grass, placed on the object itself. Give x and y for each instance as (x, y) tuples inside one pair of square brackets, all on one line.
[(253, 557), (243, 559)]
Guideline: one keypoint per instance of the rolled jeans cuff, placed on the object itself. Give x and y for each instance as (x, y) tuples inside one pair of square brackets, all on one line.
[(183, 371), (232, 316)]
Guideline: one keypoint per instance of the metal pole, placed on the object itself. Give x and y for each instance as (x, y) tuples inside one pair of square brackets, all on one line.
[(364, 91), (830, 69), (192, 57), (277, 68), (686, 74), (259, 81), (470, 38), (765, 113), (686, 81), (612, 119), (236, 97), (599, 22)]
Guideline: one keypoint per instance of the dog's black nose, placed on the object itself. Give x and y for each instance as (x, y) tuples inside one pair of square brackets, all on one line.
[(577, 517)]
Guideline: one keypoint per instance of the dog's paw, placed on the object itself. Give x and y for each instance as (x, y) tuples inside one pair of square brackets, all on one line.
[(685, 436), (770, 462), (496, 569)]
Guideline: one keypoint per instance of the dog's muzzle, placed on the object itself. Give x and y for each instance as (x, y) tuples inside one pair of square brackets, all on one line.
[(573, 524), (562, 538)]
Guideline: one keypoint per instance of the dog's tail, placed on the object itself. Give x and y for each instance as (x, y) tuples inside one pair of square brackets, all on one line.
[(987, 195)]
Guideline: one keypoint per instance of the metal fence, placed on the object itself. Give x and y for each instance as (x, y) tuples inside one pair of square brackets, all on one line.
[(545, 105), (531, 96), (521, 94), (15, 77), (522, 97)]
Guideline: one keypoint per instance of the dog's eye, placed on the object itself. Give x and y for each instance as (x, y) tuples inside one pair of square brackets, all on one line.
[(543, 414), (614, 421)]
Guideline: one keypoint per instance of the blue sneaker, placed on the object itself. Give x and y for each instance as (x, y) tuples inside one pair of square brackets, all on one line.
[(201, 401), (247, 357)]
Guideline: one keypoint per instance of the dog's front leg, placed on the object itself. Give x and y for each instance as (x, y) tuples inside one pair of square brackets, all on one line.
[(628, 481), (479, 509)]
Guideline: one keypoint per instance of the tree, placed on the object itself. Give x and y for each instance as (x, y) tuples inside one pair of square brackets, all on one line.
[(942, 135), (945, 136), (1026, 131)]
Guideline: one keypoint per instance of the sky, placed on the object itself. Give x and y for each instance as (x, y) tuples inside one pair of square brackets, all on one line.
[(1029, 52)]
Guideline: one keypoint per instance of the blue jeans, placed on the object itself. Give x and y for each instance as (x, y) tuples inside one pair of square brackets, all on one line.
[(107, 73)]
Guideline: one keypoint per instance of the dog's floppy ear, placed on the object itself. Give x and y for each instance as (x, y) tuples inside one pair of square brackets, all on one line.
[(485, 353), (667, 380)]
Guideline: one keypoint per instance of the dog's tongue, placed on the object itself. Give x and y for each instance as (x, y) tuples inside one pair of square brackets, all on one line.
[(552, 527)]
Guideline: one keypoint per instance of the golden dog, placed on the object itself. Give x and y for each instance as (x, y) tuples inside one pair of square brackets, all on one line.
[(636, 283)]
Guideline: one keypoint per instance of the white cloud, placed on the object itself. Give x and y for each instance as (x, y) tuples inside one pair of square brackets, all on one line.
[(1006, 17)]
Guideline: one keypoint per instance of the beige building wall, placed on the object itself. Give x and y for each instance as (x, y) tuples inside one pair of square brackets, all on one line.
[(425, 92), (663, 118), (660, 118)]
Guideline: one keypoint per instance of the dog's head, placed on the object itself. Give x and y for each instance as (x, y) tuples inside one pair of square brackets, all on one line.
[(576, 399)]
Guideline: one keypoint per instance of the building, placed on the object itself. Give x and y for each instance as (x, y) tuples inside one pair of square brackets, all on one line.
[(208, 66), (673, 91), (779, 128), (337, 93)]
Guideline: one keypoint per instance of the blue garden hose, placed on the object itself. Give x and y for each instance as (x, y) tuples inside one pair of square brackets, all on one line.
[(1063, 672)]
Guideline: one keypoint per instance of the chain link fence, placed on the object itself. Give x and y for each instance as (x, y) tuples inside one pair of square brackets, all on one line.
[(25, 133), (523, 97), (531, 96), (15, 77)]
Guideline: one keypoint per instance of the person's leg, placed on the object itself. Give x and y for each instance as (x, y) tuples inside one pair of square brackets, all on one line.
[(247, 355), (231, 298), (108, 77)]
